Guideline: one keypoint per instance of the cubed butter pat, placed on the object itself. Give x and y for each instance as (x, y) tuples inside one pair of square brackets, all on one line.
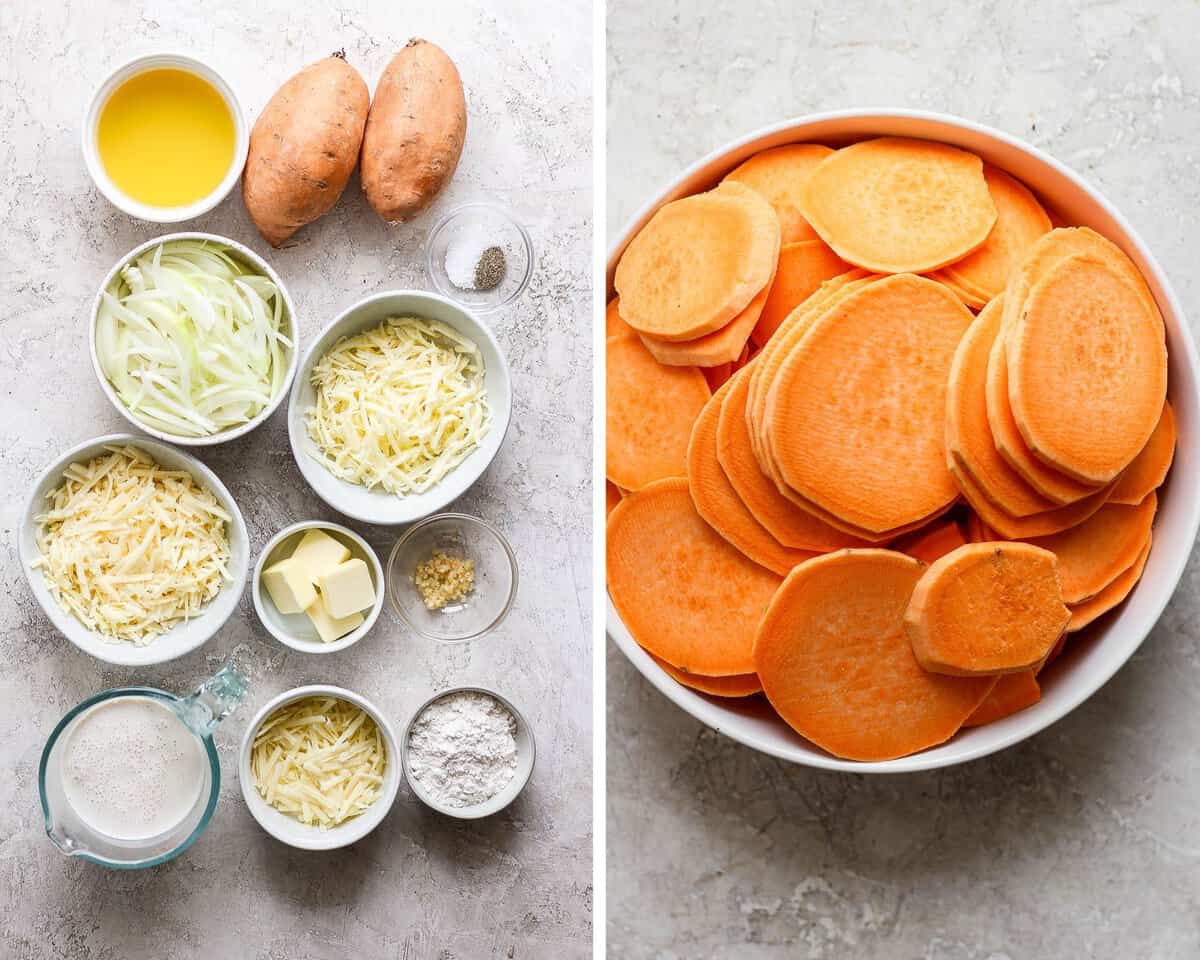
[(347, 588), (328, 626), (289, 585), (318, 553)]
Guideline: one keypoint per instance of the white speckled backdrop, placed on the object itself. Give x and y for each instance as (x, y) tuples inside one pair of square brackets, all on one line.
[(1084, 842), (515, 886)]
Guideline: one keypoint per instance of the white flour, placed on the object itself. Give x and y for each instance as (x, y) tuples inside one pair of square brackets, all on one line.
[(462, 748)]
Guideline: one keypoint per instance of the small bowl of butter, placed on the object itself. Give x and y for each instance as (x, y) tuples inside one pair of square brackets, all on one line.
[(164, 138), (318, 587)]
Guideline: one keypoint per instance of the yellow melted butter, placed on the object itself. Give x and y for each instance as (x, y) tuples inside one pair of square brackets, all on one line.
[(166, 138)]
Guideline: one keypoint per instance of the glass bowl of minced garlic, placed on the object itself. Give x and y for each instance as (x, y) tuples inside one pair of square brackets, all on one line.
[(452, 577)]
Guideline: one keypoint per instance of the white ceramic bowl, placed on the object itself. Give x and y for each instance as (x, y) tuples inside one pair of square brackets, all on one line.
[(183, 637), (378, 506), (295, 630), (292, 355), (91, 122), (1092, 656), (526, 754), (290, 830)]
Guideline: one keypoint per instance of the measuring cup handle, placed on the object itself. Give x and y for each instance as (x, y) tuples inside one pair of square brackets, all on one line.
[(215, 699)]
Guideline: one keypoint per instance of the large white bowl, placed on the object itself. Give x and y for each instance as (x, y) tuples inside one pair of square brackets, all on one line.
[(291, 330), (1092, 656), (184, 637), (378, 506)]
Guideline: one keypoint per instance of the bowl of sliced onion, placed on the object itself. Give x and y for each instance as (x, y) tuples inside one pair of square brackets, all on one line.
[(194, 338), (398, 406)]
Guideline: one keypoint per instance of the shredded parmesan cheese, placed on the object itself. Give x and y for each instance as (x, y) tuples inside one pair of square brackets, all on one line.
[(399, 406), (131, 548), (320, 760)]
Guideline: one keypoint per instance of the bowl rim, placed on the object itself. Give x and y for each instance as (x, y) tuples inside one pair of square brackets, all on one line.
[(261, 599), (364, 823), (126, 70), (449, 492), (66, 623), (711, 714), (502, 799), (522, 232), (293, 352), (428, 521)]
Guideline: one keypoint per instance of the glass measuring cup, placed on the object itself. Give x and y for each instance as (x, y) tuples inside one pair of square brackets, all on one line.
[(200, 712)]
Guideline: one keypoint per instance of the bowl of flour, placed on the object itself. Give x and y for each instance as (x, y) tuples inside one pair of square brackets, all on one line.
[(467, 752)]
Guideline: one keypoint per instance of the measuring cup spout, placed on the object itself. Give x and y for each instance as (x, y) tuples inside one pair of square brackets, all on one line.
[(61, 839), (214, 700)]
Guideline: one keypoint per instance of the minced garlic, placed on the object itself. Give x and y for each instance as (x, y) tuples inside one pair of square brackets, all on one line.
[(443, 579)]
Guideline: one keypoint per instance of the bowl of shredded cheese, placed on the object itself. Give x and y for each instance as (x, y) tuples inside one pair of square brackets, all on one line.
[(135, 550), (320, 767), (398, 407)]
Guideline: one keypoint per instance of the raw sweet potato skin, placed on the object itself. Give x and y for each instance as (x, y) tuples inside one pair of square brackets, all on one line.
[(303, 148), (415, 131)]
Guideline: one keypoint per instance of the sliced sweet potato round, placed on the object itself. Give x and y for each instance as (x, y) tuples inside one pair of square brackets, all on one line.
[(932, 541), (1149, 468), (718, 503), (1094, 553), (895, 205), (803, 267), (649, 415), (698, 263), (612, 496), (681, 590), (835, 663), (1083, 614), (738, 685), (986, 609), (968, 434), (855, 416), (778, 174), (1087, 369), (970, 298), (614, 326), (1012, 692)]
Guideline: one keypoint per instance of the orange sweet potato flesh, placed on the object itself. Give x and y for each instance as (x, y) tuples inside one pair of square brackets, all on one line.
[(1012, 692), (970, 298), (1085, 613), (716, 376), (698, 263), (932, 542), (894, 205), (789, 524), (614, 326), (649, 416), (968, 433), (778, 174), (1035, 525), (976, 530), (718, 503), (681, 590), (803, 267), (1087, 368), (1094, 553), (835, 663), (986, 609), (612, 496), (1149, 468), (855, 418), (739, 685)]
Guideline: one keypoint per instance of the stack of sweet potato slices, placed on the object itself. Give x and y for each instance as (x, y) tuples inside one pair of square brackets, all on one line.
[(831, 482)]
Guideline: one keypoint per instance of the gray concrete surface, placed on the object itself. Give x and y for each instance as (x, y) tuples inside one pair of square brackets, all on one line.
[(515, 886), (1084, 842)]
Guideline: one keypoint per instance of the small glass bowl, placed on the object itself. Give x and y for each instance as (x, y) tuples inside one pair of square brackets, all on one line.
[(495, 226), (457, 535)]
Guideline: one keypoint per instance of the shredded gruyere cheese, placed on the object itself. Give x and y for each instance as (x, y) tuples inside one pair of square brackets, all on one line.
[(131, 548), (399, 406), (320, 760)]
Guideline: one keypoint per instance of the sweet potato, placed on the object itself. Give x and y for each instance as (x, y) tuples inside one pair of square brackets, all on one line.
[(718, 502), (614, 326), (970, 299), (1087, 370), (415, 131), (1087, 612), (894, 205), (649, 414), (1012, 692), (778, 174), (303, 148), (1149, 468), (855, 417), (1094, 553), (717, 376), (931, 542), (698, 263), (986, 609), (736, 686), (803, 267), (612, 496), (682, 591), (834, 661)]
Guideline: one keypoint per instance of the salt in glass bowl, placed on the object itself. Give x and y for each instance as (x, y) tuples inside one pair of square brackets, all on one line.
[(492, 225)]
